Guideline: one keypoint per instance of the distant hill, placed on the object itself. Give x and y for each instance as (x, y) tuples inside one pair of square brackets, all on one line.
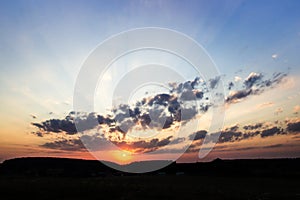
[(91, 168)]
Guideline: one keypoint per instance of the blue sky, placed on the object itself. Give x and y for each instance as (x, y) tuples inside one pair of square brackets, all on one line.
[(44, 43)]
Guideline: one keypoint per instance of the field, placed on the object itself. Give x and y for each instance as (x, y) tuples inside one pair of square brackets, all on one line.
[(149, 187)]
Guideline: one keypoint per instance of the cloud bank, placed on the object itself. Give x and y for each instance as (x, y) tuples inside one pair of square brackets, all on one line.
[(164, 111)]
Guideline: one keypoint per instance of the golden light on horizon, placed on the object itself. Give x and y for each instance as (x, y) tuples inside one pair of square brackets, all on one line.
[(122, 157)]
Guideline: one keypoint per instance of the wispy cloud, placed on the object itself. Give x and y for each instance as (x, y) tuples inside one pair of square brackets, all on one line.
[(253, 84), (265, 105)]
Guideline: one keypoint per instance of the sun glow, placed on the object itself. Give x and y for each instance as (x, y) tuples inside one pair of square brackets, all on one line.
[(122, 157)]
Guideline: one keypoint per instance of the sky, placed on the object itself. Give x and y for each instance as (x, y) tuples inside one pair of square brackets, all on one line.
[(254, 44)]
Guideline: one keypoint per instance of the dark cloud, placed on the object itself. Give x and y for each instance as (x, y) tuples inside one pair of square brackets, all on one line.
[(145, 119), (56, 126), (232, 128), (252, 79), (254, 84), (277, 77), (40, 126), (151, 145), (96, 143), (233, 134), (65, 145), (67, 125), (195, 82), (181, 104), (230, 136), (272, 146), (168, 122), (99, 142), (237, 95), (271, 131), (188, 113), (250, 134), (163, 110), (187, 95), (188, 85), (253, 126), (143, 146), (214, 82), (199, 135), (105, 120), (199, 94), (225, 136), (230, 85), (160, 111), (33, 116), (173, 106), (38, 133), (293, 127), (160, 99)]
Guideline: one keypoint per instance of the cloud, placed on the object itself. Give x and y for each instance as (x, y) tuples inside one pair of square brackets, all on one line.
[(264, 105), (33, 116), (252, 79), (234, 133), (67, 125), (65, 145), (237, 79), (199, 135), (229, 136), (97, 142), (253, 126), (37, 133), (145, 146), (154, 144), (271, 131), (214, 82), (275, 56), (232, 128), (254, 84), (293, 127), (272, 146), (160, 111), (236, 96), (182, 103), (230, 85)]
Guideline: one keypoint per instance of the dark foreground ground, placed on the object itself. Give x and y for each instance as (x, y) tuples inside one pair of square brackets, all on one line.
[(150, 187), (54, 179)]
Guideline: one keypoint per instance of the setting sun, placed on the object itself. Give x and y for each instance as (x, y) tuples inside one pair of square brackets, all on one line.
[(122, 156)]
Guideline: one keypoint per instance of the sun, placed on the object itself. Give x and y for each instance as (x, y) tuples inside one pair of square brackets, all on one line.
[(122, 157)]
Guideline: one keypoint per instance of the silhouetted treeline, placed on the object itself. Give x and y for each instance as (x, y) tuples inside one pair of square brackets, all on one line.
[(64, 167)]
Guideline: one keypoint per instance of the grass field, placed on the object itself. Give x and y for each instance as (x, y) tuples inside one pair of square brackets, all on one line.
[(150, 187)]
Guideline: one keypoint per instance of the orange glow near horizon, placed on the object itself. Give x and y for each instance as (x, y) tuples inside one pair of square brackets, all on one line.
[(122, 157)]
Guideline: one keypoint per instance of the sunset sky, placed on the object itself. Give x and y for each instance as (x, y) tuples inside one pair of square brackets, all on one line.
[(254, 44)]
